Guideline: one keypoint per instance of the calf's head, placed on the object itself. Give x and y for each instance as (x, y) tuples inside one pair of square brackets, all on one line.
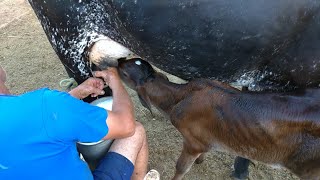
[(135, 73)]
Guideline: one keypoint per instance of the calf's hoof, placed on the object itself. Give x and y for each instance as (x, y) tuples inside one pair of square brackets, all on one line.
[(241, 168), (200, 159)]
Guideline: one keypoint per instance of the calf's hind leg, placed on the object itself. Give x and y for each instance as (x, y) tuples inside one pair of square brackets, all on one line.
[(185, 161)]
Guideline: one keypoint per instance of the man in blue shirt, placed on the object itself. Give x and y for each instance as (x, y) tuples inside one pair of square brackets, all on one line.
[(39, 131)]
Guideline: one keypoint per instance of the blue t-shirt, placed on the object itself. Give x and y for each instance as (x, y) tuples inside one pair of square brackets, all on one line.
[(39, 131)]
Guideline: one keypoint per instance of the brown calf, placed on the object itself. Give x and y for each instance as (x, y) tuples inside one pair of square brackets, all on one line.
[(274, 128)]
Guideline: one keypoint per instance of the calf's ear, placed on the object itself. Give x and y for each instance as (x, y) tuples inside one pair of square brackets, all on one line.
[(144, 98)]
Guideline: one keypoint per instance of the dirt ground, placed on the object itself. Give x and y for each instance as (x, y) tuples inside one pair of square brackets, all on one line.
[(31, 63)]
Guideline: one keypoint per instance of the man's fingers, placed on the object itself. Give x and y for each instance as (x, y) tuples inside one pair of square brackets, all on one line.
[(96, 92), (109, 75), (96, 82), (99, 83), (101, 74)]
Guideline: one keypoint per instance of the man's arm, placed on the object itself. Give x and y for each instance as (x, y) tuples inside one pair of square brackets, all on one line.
[(121, 120)]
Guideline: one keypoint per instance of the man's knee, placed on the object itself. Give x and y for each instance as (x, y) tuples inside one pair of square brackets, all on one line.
[(131, 146), (3, 75), (139, 130)]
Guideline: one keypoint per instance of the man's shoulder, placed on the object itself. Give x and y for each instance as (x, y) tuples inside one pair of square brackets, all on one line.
[(54, 94), (32, 95), (46, 94), (36, 92)]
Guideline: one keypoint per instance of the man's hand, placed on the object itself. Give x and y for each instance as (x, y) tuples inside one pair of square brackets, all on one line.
[(110, 76), (92, 86)]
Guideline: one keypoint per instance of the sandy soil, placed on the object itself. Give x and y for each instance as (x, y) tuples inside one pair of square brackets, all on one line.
[(31, 63)]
